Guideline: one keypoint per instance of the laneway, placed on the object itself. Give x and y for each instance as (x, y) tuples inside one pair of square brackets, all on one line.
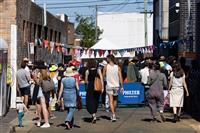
[(130, 120)]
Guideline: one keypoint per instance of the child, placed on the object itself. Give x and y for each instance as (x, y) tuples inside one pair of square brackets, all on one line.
[(20, 110)]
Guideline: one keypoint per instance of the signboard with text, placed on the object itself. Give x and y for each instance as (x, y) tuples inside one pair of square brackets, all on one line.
[(133, 94)]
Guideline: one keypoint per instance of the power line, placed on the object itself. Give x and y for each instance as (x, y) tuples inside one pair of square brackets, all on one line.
[(80, 2), (113, 8), (61, 7), (122, 6)]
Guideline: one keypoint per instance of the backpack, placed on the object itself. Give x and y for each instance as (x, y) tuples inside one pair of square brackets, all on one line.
[(47, 85)]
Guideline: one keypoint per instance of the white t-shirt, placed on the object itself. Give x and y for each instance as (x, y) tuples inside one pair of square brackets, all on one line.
[(21, 107), (112, 76), (144, 75)]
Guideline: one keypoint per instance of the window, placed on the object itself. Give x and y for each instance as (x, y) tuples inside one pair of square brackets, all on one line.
[(39, 31), (34, 32), (45, 33), (55, 36), (59, 36), (30, 32), (24, 30), (51, 34)]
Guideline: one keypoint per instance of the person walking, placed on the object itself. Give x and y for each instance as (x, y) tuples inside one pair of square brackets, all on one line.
[(92, 96), (144, 73), (132, 71), (47, 85), (114, 83), (23, 85), (21, 108), (38, 98), (68, 89), (61, 71), (176, 88), (155, 94)]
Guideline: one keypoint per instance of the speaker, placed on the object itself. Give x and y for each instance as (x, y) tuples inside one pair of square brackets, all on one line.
[(67, 58)]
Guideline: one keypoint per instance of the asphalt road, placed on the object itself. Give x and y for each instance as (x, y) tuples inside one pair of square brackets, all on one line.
[(129, 120)]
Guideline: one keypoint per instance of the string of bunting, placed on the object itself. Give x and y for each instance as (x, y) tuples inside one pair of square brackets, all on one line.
[(171, 43), (83, 52)]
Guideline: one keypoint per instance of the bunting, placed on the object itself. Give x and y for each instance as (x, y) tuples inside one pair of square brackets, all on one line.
[(82, 53)]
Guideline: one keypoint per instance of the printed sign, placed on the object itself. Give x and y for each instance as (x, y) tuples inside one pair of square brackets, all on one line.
[(133, 94)]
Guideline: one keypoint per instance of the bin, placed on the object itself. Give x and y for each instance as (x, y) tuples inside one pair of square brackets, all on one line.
[(3, 72)]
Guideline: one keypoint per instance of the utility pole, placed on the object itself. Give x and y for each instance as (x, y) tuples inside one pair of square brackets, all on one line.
[(96, 30), (145, 23)]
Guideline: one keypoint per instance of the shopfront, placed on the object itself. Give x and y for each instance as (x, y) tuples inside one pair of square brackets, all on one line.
[(3, 72)]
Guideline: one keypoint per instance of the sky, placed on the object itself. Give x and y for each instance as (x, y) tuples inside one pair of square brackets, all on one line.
[(87, 7)]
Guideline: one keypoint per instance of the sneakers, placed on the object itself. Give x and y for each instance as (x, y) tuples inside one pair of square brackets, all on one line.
[(113, 118), (38, 124), (107, 110), (52, 117), (94, 119), (45, 125), (20, 126)]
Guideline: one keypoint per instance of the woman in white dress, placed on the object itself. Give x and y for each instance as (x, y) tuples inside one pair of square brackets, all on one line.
[(177, 85)]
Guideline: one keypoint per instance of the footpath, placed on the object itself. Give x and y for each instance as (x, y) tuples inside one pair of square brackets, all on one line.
[(129, 120)]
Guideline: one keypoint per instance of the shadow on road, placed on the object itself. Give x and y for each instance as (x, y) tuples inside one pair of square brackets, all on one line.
[(105, 117)]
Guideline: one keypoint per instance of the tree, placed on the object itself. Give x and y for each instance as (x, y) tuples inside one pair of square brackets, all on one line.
[(86, 27)]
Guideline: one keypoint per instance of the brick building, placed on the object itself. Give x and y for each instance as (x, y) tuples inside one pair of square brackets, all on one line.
[(28, 18), (161, 25), (71, 33), (182, 27)]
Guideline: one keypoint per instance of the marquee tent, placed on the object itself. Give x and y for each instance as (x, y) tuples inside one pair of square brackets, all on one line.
[(105, 44)]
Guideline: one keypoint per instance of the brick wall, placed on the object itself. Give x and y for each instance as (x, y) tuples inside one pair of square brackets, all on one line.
[(29, 20), (7, 17), (184, 17), (198, 30)]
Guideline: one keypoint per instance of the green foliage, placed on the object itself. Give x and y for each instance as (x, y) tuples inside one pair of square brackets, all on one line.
[(86, 27)]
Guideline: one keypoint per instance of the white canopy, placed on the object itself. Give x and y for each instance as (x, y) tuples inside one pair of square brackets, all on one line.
[(105, 44)]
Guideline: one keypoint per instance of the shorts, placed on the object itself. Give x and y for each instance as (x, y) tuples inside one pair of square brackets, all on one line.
[(25, 90), (112, 90)]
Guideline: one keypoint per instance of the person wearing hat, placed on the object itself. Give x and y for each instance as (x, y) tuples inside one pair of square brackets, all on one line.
[(61, 71), (68, 89), (21, 108), (104, 96), (54, 74), (23, 83), (26, 60), (132, 71)]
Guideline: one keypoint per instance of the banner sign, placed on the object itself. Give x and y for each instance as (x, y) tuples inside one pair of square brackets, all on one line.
[(82, 93), (133, 94)]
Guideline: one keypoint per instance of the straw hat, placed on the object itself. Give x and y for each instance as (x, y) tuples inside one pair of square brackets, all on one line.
[(19, 100), (69, 72), (30, 63), (162, 58), (25, 59), (103, 63), (53, 68)]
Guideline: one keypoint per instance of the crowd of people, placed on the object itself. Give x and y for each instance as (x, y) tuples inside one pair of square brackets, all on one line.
[(56, 86)]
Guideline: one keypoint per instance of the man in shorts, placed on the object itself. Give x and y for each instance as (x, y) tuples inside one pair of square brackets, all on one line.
[(114, 83), (23, 79)]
